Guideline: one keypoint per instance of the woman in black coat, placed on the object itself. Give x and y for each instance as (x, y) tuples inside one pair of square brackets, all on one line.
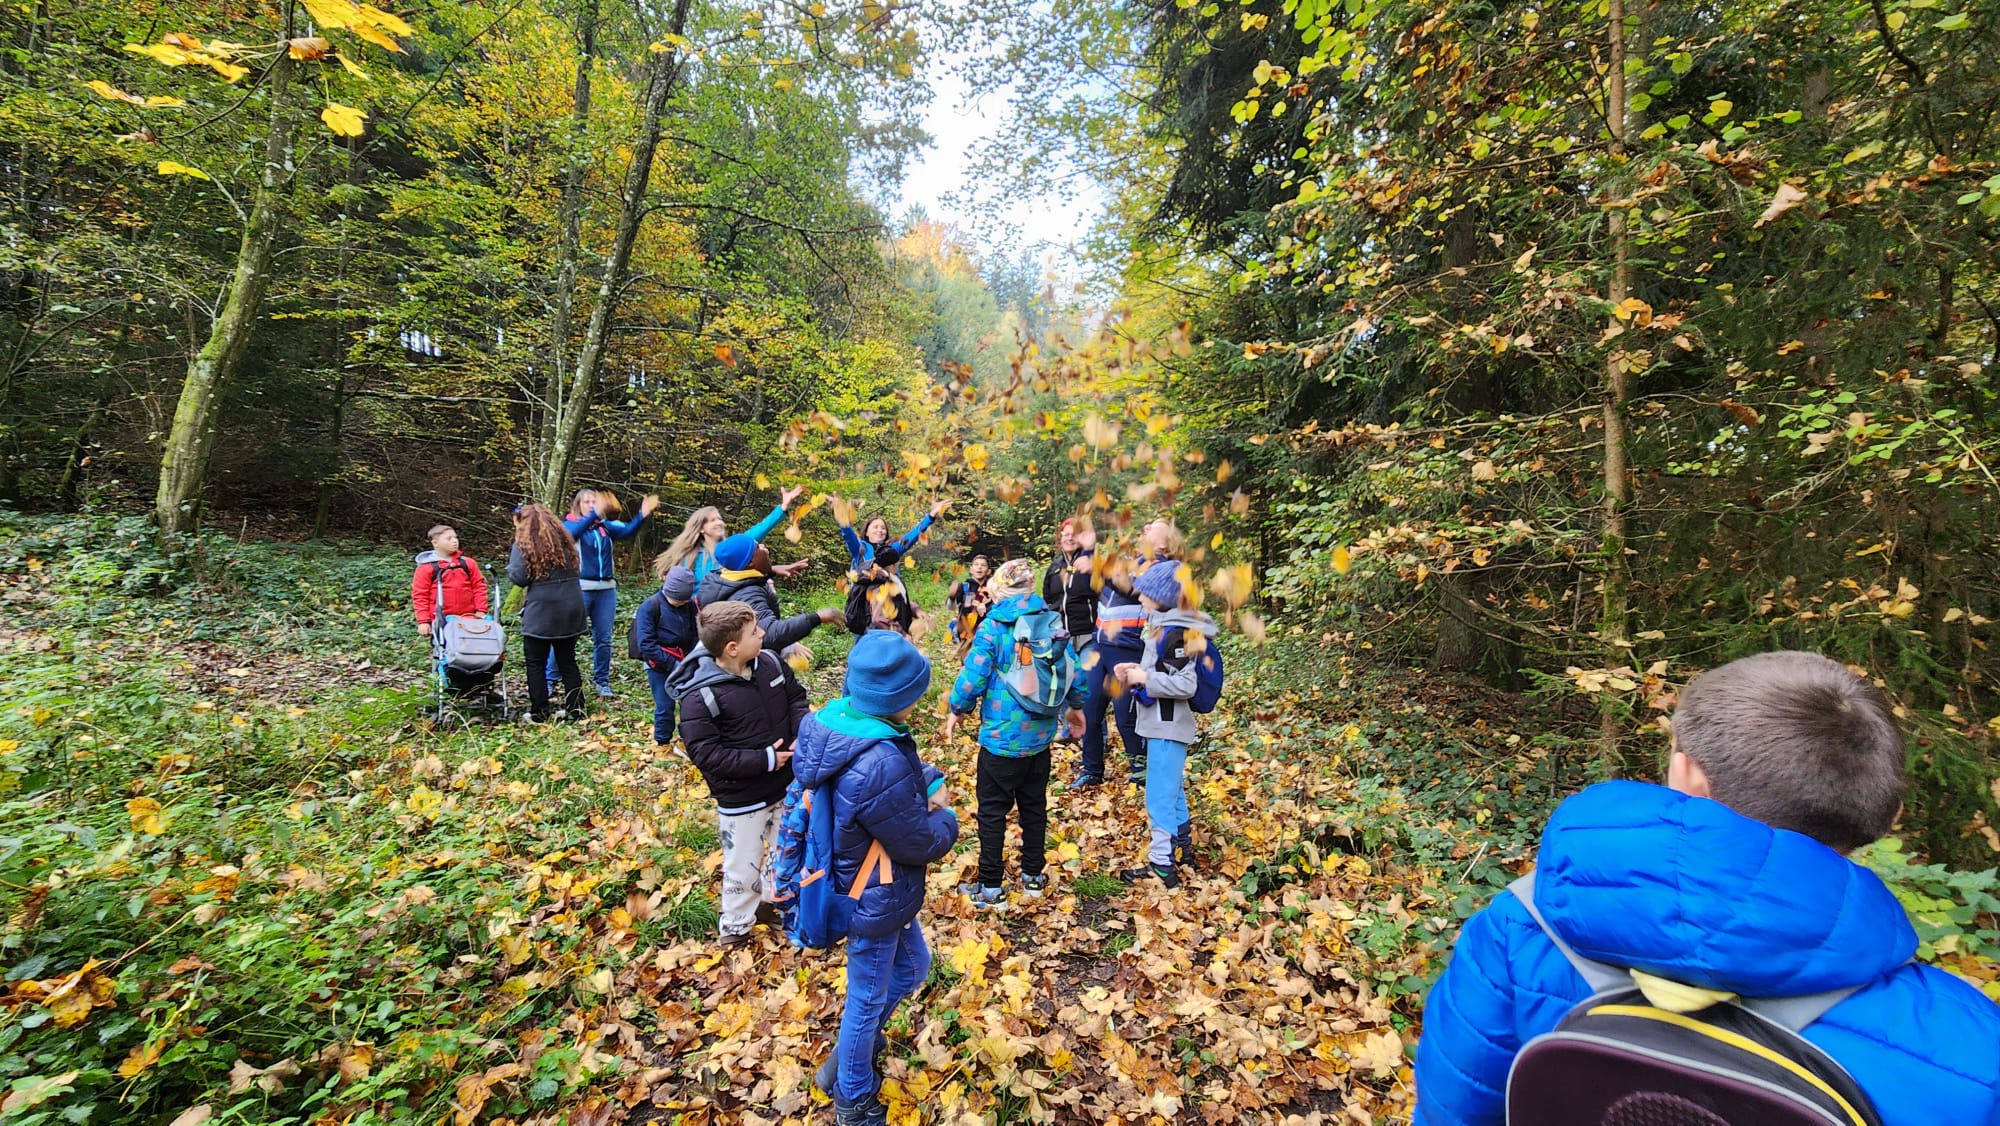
[(543, 563)]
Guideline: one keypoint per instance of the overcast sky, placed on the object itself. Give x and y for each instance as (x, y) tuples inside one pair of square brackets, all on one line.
[(939, 181)]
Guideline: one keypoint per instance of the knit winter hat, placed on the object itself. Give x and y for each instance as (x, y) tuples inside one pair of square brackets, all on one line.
[(885, 673), (678, 586), (735, 553), (1162, 583), (1015, 576)]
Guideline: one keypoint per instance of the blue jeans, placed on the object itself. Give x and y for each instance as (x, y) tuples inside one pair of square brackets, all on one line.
[(1166, 797), (601, 607), (663, 704), (881, 973), (1122, 709)]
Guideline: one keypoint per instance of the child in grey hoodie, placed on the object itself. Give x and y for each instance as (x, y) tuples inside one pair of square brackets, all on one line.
[(1164, 680)]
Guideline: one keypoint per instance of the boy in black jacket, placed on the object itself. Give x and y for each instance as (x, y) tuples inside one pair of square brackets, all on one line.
[(740, 713)]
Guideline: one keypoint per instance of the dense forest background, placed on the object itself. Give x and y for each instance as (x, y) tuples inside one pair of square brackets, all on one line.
[(1508, 364)]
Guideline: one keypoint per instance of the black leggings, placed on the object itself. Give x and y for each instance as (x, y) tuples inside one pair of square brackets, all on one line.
[(1007, 784), (537, 650)]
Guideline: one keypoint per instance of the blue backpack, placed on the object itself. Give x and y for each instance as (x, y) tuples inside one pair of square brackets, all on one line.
[(1043, 669), (1208, 675), (816, 916)]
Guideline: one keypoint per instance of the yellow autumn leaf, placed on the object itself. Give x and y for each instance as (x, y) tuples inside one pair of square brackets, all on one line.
[(145, 814), (344, 120), (161, 52), (762, 481), (969, 959), (1342, 560), (388, 22), (349, 65), (425, 802), (333, 13), (377, 37), (141, 1058), (976, 458), (163, 100), (107, 90)]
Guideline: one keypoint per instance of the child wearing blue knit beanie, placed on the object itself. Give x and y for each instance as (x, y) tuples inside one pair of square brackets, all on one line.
[(883, 794)]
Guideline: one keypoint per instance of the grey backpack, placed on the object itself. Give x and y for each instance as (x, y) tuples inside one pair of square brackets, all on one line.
[(469, 645)]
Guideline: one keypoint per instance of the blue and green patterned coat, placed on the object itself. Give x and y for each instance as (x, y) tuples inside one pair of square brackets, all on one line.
[(1005, 727)]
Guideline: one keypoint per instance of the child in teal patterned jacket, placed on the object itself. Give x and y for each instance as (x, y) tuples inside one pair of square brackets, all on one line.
[(1013, 740)]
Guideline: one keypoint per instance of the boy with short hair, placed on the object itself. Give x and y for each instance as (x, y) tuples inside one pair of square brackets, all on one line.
[(861, 746), (1013, 740), (1732, 878), (1163, 683), (464, 585), (740, 713)]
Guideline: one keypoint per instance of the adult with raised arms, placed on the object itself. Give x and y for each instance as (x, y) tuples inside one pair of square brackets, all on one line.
[(695, 547), (592, 523)]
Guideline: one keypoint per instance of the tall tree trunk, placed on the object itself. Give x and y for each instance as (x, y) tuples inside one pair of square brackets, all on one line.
[(184, 462), (1614, 624), (663, 73), (569, 250)]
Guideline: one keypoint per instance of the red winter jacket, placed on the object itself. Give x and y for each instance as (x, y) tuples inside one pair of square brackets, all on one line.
[(464, 588)]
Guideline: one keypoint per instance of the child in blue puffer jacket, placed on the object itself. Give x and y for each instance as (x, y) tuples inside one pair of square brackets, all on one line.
[(1013, 741), (861, 745), (1732, 877)]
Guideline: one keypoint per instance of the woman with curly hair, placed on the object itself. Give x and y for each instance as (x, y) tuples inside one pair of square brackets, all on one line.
[(543, 563)]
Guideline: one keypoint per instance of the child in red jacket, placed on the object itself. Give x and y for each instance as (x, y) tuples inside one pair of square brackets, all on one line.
[(464, 594)]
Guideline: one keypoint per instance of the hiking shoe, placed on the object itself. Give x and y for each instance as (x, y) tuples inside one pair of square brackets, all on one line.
[(829, 1072), (1139, 780), (769, 915), (1183, 848), (734, 941), (1166, 876), (864, 1111), (604, 690), (989, 897), (1033, 886), (1085, 781)]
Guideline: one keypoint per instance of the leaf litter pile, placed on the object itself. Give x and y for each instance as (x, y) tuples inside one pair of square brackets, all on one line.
[(1093, 1003)]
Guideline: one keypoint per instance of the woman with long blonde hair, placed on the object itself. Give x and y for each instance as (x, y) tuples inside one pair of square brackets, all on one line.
[(543, 564), (694, 548)]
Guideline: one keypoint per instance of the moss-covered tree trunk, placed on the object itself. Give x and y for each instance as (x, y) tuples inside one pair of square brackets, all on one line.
[(184, 462)]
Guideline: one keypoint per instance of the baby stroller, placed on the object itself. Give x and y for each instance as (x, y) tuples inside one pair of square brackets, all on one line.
[(468, 660)]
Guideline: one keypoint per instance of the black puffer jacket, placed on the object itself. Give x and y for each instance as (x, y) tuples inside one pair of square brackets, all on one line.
[(732, 726), (1067, 588), (753, 589), (551, 606)]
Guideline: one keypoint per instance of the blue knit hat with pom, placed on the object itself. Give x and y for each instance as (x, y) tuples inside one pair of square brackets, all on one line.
[(885, 673)]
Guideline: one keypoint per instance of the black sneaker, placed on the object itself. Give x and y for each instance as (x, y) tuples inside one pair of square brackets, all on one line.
[(1166, 876), (864, 1111)]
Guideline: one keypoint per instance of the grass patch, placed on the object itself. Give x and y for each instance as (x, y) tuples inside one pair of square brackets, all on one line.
[(698, 837), (1097, 885)]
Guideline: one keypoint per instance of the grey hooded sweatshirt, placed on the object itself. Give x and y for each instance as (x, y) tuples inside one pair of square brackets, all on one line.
[(1170, 681)]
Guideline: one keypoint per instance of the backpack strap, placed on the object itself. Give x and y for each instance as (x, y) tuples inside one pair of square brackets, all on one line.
[(875, 863), (1600, 976), (1790, 1013)]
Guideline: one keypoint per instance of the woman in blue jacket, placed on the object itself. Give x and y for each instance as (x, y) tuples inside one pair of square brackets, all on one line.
[(875, 533), (589, 523)]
